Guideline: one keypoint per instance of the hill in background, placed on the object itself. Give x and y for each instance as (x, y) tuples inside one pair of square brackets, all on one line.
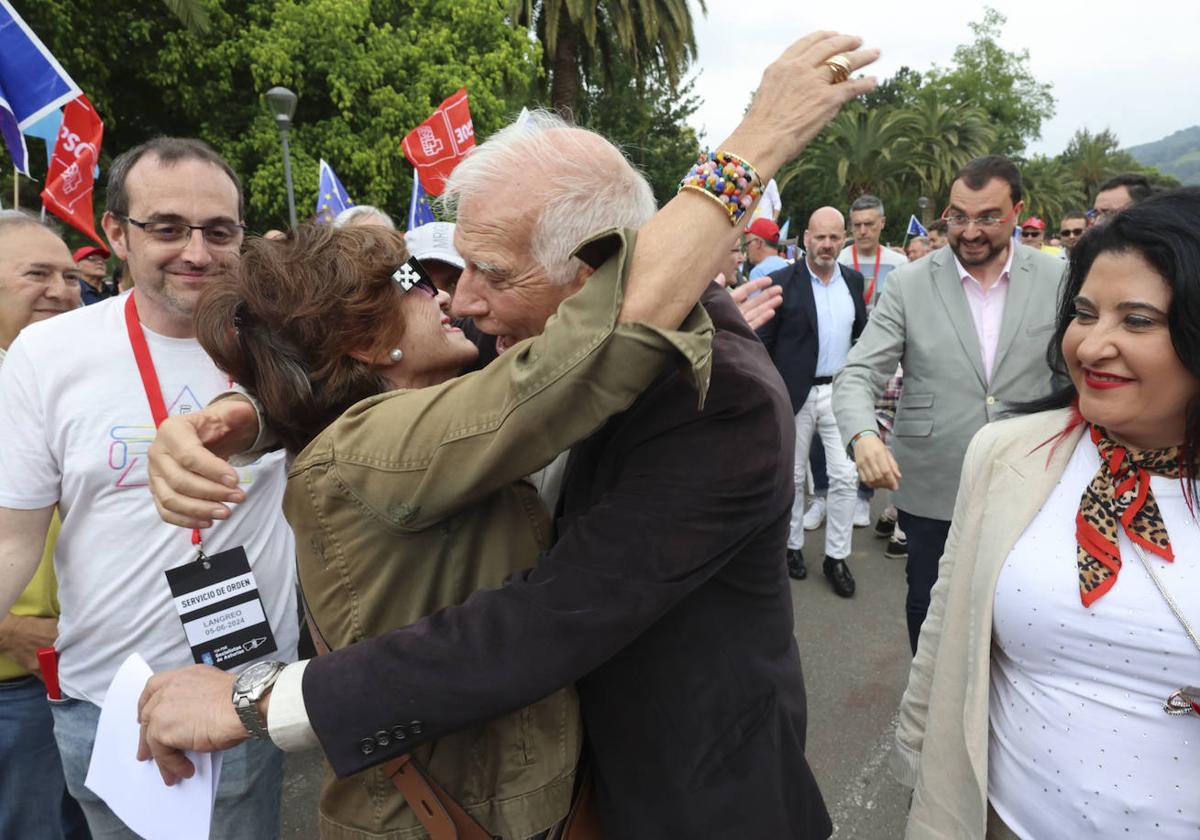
[(1177, 155)]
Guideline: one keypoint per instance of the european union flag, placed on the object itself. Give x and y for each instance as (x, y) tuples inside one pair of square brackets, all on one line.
[(915, 228), (419, 211), (331, 195), (32, 83)]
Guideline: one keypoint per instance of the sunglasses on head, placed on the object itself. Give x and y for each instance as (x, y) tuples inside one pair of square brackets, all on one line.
[(412, 275)]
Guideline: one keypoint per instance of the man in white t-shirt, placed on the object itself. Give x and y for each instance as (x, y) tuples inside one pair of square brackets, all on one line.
[(865, 255), (76, 437)]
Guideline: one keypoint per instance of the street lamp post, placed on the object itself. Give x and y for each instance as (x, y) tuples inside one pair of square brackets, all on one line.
[(923, 206), (282, 103)]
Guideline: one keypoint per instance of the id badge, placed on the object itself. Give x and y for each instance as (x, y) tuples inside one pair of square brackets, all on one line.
[(217, 600)]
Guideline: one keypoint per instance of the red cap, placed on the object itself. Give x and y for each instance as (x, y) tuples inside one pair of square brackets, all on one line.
[(1034, 222), (765, 228), (87, 250)]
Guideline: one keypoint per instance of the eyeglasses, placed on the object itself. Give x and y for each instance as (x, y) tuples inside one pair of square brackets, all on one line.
[(1097, 215), (1071, 231), (1030, 234), (961, 220), (412, 275), (219, 235)]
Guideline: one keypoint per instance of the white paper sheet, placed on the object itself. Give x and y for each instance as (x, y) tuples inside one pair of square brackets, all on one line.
[(133, 789)]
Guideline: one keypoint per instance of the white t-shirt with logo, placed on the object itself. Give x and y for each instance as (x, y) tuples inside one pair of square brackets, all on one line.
[(77, 427), (888, 259)]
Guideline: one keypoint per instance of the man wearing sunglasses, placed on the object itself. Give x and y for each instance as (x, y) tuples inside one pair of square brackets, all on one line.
[(1072, 227), (971, 323), (1033, 234), (77, 436)]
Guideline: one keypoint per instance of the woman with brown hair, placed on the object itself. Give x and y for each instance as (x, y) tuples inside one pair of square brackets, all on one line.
[(312, 325)]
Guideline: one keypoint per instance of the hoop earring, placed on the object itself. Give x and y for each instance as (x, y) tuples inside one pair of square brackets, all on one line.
[(396, 354)]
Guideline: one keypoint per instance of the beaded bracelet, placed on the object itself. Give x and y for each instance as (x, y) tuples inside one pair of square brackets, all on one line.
[(727, 179)]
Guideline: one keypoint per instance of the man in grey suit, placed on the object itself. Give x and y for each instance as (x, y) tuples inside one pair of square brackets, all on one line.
[(970, 325)]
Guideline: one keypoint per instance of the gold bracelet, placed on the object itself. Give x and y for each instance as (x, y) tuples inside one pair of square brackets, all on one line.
[(724, 207)]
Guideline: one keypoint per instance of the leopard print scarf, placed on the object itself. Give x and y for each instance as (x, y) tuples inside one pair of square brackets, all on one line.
[(1120, 492)]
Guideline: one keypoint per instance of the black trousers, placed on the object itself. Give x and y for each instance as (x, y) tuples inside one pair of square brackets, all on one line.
[(926, 542)]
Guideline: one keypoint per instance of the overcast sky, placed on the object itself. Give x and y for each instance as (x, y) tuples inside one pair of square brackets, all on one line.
[(1133, 67)]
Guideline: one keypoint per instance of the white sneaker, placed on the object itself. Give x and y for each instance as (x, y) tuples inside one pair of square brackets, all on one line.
[(862, 513), (814, 517)]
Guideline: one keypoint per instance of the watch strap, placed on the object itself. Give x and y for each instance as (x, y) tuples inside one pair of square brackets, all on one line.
[(245, 703)]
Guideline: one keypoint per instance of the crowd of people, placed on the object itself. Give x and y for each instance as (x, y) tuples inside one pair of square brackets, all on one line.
[(514, 503)]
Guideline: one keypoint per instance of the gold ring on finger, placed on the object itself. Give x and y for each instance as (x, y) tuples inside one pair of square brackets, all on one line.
[(839, 66)]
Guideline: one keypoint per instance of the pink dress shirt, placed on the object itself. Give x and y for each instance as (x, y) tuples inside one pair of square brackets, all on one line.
[(987, 309)]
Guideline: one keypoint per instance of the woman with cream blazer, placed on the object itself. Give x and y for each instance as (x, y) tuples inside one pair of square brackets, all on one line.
[(945, 747), (941, 748)]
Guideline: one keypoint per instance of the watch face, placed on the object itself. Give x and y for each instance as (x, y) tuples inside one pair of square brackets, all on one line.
[(254, 675)]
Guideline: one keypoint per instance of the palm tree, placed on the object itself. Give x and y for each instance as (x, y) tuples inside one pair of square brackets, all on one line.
[(863, 150), (1050, 189), (944, 137), (582, 40), (1089, 159)]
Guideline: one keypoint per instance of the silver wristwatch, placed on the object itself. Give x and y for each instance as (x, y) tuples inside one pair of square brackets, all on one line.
[(248, 689)]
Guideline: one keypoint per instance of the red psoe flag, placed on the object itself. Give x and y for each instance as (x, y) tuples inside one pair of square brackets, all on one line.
[(437, 145), (71, 179)]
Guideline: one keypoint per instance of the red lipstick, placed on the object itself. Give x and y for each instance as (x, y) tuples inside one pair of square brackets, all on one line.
[(1103, 381)]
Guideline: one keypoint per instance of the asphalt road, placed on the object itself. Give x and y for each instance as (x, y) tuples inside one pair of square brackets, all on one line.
[(856, 656)]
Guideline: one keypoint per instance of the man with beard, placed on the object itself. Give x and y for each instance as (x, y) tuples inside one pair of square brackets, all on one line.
[(822, 314), (970, 324)]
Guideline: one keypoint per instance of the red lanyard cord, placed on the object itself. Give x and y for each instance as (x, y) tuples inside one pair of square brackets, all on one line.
[(875, 276), (145, 364)]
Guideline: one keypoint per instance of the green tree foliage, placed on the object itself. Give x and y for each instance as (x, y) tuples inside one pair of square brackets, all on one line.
[(897, 153), (193, 14), (861, 151), (648, 120), (366, 72), (909, 137), (986, 75), (1050, 188), (594, 43), (1092, 159), (944, 137)]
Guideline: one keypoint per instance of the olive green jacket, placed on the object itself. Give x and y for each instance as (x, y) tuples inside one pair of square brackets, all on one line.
[(413, 500)]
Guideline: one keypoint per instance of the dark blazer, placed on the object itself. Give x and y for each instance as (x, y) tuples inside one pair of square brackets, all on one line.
[(665, 598), (791, 336)]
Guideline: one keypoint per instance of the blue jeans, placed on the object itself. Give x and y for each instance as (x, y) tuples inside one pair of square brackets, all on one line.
[(33, 796), (247, 806)]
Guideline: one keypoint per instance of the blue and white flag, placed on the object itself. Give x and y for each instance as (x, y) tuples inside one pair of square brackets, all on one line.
[(915, 228), (32, 83), (332, 197), (419, 211), (783, 231), (46, 129)]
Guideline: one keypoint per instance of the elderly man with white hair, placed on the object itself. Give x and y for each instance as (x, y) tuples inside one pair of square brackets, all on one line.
[(665, 598)]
